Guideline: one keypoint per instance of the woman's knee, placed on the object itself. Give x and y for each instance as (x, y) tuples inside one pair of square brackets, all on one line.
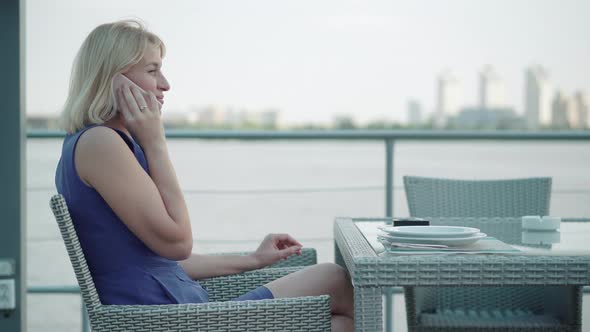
[(341, 288), (335, 273)]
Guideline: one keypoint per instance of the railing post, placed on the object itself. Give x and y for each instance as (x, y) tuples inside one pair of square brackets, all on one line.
[(388, 213), (389, 177), (85, 325), (388, 294), (13, 167)]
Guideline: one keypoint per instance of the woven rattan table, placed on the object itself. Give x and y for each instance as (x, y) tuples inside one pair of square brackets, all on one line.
[(542, 259)]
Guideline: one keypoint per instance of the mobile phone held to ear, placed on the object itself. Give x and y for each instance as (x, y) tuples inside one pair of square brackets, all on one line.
[(120, 81)]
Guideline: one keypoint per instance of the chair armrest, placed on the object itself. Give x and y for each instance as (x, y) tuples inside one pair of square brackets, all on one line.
[(286, 314), (229, 287), (308, 257)]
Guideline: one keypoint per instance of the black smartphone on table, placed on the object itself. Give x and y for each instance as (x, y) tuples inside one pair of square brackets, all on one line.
[(410, 221)]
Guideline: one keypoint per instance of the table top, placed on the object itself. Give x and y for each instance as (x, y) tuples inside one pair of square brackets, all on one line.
[(540, 259), (572, 238)]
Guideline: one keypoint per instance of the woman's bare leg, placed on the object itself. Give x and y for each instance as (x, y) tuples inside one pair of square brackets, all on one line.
[(342, 323), (321, 279)]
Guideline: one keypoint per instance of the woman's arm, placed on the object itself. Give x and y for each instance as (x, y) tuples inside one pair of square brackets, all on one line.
[(273, 248), (151, 205), (199, 266)]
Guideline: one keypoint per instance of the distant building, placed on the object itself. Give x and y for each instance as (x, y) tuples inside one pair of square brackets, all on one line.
[(449, 98), (269, 118), (583, 107), (264, 119), (573, 114), (492, 92), (42, 122), (235, 117), (178, 119), (212, 116), (192, 116), (563, 112), (537, 98), (232, 117), (414, 113), (558, 111), (487, 118), (343, 121)]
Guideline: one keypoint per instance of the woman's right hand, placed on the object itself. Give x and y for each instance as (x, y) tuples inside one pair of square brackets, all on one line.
[(142, 118), (275, 247)]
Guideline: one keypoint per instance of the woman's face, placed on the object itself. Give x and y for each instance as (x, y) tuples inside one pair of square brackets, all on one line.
[(148, 75)]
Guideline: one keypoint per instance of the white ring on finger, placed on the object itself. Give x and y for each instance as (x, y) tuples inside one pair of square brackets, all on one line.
[(141, 108)]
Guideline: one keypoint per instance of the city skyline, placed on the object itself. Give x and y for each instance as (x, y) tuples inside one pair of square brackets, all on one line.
[(546, 107), (314, 60)]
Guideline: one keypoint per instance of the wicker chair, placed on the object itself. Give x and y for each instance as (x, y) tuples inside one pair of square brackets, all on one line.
[(487, 308), (286, 314)]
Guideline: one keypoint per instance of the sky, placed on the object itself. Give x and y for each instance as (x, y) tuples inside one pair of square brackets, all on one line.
[(314, 59)]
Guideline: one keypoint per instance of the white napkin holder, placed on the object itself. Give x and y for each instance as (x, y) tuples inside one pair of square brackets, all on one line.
[(541, 237), (538, 223)]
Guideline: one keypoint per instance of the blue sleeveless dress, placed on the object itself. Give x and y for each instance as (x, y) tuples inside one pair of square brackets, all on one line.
[(124, 269)]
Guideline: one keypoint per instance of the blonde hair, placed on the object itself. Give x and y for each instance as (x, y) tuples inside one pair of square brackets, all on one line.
[(108, 50)]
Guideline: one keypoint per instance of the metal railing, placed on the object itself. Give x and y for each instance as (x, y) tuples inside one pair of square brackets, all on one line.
[(86, 327), (64, 290), (389, 137)]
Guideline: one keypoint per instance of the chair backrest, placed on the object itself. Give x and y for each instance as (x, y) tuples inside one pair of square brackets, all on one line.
[(66, 227), (433, 197)]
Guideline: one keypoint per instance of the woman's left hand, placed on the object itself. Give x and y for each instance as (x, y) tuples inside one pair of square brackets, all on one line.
[(275, 247)]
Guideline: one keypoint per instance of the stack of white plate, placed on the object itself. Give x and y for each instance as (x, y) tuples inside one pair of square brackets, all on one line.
[(438, 235)]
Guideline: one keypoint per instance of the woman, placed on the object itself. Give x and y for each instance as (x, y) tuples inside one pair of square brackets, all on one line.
[(128, 209)]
